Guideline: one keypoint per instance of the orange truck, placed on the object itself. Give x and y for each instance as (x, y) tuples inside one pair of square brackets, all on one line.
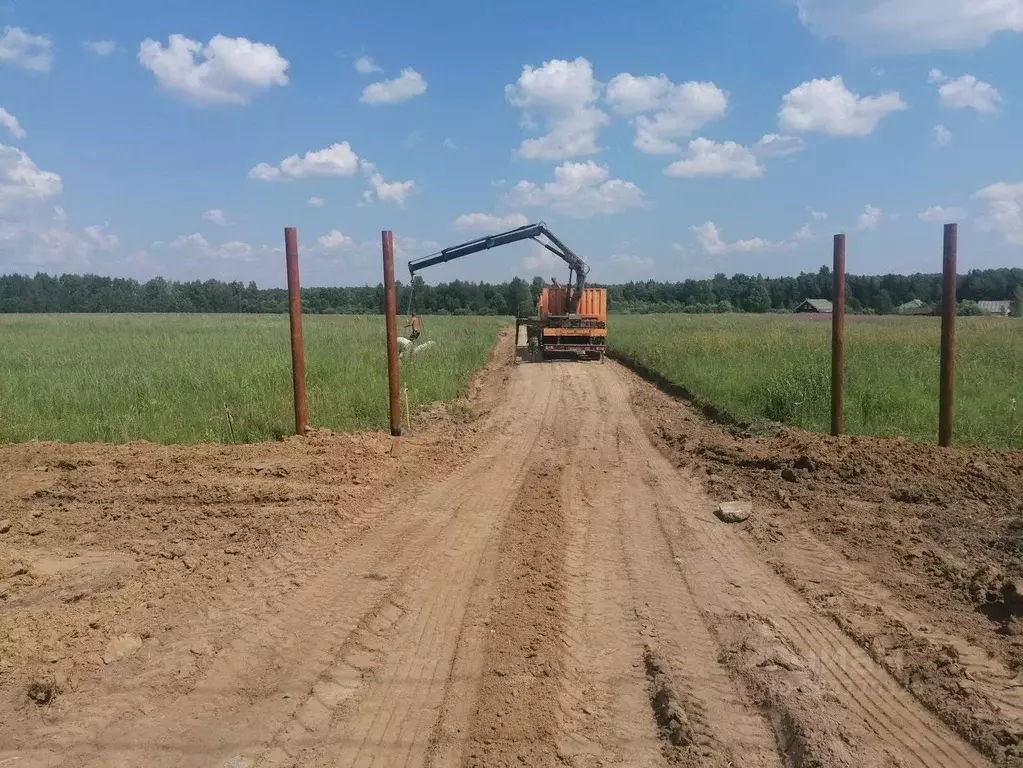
[(570, 320), (558, 331)]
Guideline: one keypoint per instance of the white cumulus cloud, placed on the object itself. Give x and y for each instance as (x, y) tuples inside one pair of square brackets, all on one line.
[(630, 95), (43, 238), (1005, 210), (197, 246), (366, 65), (565, 94), (21, 179), (709, 158), (704, 157), (776, 145), (912, 25), (100, 238), (186, 241), (34, 231), (631, 260), (804, 233), (335, 160), (819, 215), (870, 218), (966, 92), (940, 213), (828, 106), (101, 48), (383, 190), (580, 190), (489, 222), (25, 50), (687, 107), (10, 122), (227, 70), (665, 111), (407, 85), (942, 136), (712, 243), (333, 240), (215, 216), (405, 247), (315, 202)]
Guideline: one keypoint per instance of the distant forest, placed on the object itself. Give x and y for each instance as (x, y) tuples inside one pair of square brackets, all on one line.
[(739, 293)]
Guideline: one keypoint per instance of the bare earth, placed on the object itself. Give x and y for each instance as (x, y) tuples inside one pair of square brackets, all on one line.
[(546, 584)]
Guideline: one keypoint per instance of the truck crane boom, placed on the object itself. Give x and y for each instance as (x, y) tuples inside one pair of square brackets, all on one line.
[(577, 267)]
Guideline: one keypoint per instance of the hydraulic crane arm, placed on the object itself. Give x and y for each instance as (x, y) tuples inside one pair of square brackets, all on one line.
[(576, 265)]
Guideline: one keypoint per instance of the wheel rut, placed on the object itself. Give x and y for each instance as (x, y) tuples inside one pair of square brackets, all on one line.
[(395, 719)]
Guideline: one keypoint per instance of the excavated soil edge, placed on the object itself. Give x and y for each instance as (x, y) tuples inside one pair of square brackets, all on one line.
[(709, 410)]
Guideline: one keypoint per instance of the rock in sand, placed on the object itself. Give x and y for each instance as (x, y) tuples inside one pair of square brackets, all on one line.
[(734, 511)]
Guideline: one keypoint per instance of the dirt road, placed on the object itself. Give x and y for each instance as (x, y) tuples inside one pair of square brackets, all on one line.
[(563, 594)]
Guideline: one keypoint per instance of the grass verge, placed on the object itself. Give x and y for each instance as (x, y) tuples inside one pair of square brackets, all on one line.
[(758, 367), (214, 378)]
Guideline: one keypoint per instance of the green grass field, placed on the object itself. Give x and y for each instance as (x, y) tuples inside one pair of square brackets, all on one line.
[(779, 368), (227, 378), (217, 378)]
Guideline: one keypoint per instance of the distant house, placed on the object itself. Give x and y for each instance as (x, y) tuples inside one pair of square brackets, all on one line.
[(915, 307), (814, 306), (1000, 308)]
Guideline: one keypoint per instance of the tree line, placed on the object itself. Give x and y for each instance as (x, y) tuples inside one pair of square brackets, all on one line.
[(881, 294)]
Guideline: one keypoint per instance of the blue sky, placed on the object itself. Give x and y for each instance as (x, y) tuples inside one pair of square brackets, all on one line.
[(667, 141)]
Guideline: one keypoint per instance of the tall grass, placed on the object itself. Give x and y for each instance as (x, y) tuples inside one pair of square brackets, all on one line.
[(219, 378), (779, 368)]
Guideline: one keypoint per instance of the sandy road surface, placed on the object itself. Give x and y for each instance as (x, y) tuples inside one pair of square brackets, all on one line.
[(564, 596)]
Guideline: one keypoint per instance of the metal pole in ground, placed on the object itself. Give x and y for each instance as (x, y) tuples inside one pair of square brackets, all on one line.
[(295, 312), (838, 339), (391, 318), (946, 400)]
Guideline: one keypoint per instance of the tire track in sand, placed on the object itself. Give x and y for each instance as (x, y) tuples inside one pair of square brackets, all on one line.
[(577, 719), (394, 721), (713, 558), (605, 713), (531, 680), (704, 716)]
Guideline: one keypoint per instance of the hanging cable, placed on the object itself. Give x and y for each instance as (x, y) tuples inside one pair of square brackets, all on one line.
[(413, 322), (411, 297)]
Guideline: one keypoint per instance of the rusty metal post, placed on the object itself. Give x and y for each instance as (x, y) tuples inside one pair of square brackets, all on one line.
[(391, 318), (838, 339), (295, 312), (946, 399)]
